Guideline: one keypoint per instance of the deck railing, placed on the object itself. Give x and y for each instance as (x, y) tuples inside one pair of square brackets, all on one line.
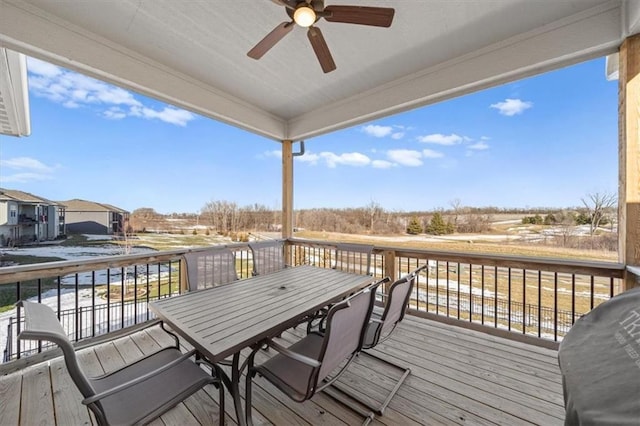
[(527, 296)]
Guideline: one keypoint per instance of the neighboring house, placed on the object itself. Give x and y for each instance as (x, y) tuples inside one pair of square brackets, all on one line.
[(25, 218), (89, 217)]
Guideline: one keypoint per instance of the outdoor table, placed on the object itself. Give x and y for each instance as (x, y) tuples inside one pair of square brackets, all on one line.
[(221, 321), (600, 363)]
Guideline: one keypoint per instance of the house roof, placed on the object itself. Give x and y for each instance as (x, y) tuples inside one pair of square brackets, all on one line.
[(193, 54), (77, 205), (23, 197)]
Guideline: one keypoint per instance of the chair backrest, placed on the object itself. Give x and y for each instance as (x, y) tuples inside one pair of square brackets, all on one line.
[(268, 256), (396, 306), (210, 268), (355, 258), (344, 335), (41, 323)]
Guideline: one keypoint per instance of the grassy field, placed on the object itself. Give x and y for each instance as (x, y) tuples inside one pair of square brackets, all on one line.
[(523, 288), (487, 247)]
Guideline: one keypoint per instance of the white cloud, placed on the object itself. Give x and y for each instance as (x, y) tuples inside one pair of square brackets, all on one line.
[(73, 90), (441, 139), (28, 163), (43, 69), (511, 107), (29, 169), (405, 157), (308, 157), (377, 131), (276, 153), (382, 164), (114, 113), (168, 114), (346, 159), (395, 157), (479, 146), (397, 135), (25, 177), (429, 153)]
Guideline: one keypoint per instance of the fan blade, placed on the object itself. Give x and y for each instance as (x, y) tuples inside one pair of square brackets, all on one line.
[(375, 16), (291, 4), (321, 49), (270, 40)]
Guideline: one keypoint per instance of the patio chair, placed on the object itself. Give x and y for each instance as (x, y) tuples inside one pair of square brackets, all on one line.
[(304, 368), (354, 258), (268, 256), (134, 394), (210, 268), (379, 329)]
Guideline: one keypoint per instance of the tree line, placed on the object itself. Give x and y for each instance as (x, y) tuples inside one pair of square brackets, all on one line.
[(225, 217)]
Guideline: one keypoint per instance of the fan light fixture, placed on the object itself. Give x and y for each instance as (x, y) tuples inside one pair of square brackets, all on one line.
[(304, 16)]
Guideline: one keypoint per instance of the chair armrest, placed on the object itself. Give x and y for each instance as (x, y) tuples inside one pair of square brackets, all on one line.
[(137, 380), (293, 355), (378, 283)]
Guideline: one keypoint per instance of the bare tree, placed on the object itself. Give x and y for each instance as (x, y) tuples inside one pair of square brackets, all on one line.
[(456, 209), (223, 216), (598, 207), (375, 212)]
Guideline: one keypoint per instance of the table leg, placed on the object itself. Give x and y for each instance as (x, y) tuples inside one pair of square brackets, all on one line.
[(233, 385), (235, 389)]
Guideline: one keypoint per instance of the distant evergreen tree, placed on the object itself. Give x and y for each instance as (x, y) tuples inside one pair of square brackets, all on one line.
[(550, 219), (582, 219), (532, 220), (437, 226), (414, 226)]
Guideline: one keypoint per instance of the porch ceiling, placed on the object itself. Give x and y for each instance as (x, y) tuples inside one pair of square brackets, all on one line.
[(193, 53)]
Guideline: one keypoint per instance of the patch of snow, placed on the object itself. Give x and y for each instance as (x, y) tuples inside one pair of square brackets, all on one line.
[(96, 237)]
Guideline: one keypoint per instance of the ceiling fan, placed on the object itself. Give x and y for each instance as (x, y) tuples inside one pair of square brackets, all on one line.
[(305, 13)]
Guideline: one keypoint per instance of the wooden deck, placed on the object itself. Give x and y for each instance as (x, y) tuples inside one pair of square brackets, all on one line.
[(459, 376)]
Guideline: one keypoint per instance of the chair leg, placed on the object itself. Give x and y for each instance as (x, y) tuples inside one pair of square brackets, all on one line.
[(221, 404), (175, 337), (337, 394), (378, 409)]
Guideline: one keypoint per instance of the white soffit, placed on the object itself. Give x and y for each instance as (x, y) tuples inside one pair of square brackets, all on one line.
[(192, 54), (633, 17), (14, 94)]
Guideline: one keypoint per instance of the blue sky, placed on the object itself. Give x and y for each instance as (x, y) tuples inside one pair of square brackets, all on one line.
[(545, 141)]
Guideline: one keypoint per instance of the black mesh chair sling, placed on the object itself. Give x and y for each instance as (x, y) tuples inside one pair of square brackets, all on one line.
[(379, 329), (304, 368), (210, 268), (134, 394), (268, 256)]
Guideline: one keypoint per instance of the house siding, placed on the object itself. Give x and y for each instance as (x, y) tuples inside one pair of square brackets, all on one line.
[(88, 222)]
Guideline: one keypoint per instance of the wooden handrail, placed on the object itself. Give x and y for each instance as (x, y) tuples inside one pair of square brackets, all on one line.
[(599, 268), (13, 274)]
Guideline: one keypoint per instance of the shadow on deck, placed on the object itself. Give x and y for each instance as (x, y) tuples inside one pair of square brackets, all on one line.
[(459, 376)]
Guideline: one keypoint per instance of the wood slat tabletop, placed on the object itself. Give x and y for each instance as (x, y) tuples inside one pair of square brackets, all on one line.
[(221, 321)]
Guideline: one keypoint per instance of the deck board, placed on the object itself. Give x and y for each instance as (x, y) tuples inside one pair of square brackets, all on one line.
[(67, 398), (459, 376)]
